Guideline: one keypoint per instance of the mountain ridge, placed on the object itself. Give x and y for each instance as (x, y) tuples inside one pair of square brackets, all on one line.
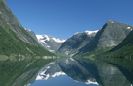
[(51, 43), (111, 34), (21, 56), (74, 43)]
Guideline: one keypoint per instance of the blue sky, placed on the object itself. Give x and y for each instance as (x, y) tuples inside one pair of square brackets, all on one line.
[(62, 18)]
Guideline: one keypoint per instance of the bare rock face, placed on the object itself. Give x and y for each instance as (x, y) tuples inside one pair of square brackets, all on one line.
[(111, 34), (76, 42)]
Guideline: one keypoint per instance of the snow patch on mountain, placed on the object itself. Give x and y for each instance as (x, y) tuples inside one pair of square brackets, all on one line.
[(51, 43), (58, 40), (91, 82), (91, 32), (87, 32), (129, 28), (43, 38), (56, 74)]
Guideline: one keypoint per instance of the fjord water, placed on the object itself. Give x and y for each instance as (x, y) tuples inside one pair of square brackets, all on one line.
[(60, 81), (71, 72), (53, 74)]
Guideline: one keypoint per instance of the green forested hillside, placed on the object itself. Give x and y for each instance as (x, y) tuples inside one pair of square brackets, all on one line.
[(21, 56)]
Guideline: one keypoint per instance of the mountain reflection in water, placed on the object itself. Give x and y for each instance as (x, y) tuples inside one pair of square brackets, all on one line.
[(63, 80)]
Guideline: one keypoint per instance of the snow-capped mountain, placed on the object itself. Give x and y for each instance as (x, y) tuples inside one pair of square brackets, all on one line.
[(51, 43), (76, 42), (111, 34)]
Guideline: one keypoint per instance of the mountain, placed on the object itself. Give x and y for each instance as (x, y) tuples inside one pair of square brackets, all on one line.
[(116, 67), (31, 33), (8, 20), (123, 51), (21, 56), (14, 36), (111, 51), (121, 56), (51, 43), (128, 42), (111, 34), (76, 42)]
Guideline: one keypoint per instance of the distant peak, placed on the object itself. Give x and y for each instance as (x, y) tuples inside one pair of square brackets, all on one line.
[(111, 21), (58, 40), (48, 38)]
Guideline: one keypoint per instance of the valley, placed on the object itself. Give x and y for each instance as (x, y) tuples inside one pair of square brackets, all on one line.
[(91, 58)]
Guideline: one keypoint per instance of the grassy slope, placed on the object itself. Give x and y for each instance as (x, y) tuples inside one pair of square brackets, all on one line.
[(16, 56), (10, 44)]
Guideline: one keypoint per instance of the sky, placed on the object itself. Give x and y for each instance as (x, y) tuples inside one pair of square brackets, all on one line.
[(63, 18)]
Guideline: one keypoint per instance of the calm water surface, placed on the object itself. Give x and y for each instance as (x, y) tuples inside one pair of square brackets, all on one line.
[(60, 81)]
